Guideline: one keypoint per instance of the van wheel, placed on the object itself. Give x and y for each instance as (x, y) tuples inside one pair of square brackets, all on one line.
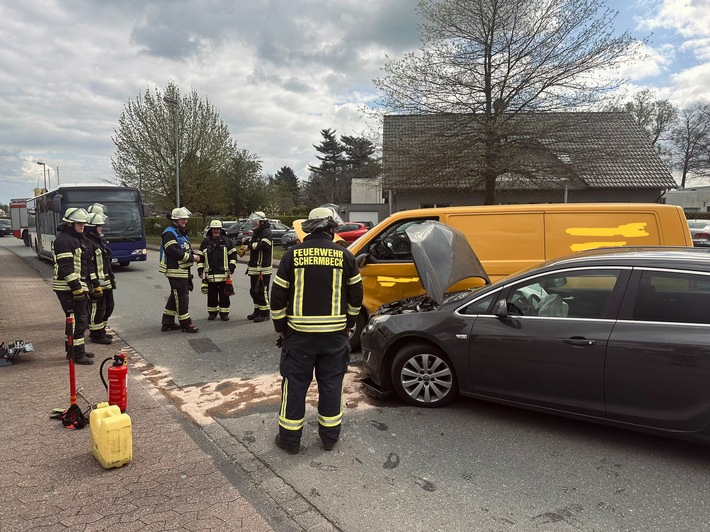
[(360, 324), (423, 376), (26, 239)]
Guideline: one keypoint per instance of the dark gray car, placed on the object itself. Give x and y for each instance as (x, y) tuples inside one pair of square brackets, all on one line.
[(614, 336)]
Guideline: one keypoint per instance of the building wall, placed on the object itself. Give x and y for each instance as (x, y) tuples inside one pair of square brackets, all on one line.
[(696, 199)]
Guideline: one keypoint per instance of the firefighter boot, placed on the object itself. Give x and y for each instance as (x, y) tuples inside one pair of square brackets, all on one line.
[(253, 314), (190, 328), (100, 339), (212, 316), (262, 316)]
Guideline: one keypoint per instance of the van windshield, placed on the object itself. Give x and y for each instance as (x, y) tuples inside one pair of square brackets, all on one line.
[(393, 243)]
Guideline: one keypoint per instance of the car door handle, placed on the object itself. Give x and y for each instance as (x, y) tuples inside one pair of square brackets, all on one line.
[(579, 341)]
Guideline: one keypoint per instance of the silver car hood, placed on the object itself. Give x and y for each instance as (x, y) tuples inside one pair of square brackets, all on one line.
[(443, 257)]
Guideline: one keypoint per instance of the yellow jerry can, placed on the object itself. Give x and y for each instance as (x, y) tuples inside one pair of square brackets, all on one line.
[(111, 437)]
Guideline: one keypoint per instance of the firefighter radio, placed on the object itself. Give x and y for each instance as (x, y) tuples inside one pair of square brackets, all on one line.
[(116, 387)]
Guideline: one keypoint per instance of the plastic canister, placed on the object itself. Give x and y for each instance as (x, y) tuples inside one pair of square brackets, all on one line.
[(111, 437)]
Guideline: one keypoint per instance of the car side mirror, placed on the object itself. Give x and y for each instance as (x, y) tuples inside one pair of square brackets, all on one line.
[(500, 309), (361, 260)]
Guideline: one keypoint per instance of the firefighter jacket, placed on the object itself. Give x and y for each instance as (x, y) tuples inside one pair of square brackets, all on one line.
[(317, 289), (175, 253), (260, 252), (72, 261), (219, 258), (101, 254)]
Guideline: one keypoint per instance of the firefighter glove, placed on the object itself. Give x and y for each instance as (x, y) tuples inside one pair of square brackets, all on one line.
[(78, 294), (98, 291), (204, 287), (199, 272), (279, 341), (231, 269)]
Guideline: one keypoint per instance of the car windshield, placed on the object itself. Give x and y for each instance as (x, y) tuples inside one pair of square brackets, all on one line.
[(698, 225), (5, 221)]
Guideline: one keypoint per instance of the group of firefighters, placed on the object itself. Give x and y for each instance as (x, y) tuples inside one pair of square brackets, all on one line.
[(83, 278), (314, 303)]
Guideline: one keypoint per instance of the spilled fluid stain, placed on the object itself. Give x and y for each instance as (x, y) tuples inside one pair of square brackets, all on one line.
[(378, 425), (425, 484), (231, 397), (391, 462)]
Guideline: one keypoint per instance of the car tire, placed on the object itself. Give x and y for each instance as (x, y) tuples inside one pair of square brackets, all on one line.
[(423, 376)]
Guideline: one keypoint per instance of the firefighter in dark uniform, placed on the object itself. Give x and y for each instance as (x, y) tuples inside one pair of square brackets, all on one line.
[(176, 258), (315, 301), (101, 307), (109, 282), (219, 259), (72, 270), (260, 267)]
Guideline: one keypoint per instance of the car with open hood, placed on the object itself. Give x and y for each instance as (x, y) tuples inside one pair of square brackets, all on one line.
[(616, 336)]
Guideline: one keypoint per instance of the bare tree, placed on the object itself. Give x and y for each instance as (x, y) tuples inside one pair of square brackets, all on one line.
[(691, 139), (490, 61), (656, 117)]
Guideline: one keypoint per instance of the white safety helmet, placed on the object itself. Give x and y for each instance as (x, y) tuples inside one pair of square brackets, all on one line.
[(319, 218), (257, 215), (95, 218), (215, 224), (75, 215), (97, 208), (179, 213)]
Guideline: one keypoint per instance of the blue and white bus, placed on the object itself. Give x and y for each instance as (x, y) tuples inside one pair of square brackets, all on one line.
[(124, 229)]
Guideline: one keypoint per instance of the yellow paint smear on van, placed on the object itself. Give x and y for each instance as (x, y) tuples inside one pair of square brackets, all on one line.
[(391, 281), (632, 230), (593, 245)]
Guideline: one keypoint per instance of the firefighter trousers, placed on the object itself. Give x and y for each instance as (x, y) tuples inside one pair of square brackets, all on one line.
[(259, 290), (217, 300), (178, 302), (77, 310), (100, 310), (328, 355)]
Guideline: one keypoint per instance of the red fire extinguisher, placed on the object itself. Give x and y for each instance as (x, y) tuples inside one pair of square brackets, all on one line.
[(116, 387)]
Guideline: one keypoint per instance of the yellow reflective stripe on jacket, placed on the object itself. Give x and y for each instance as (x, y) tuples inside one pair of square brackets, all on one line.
[(66, 255), (336, 291), (283, 283), (355, 279)]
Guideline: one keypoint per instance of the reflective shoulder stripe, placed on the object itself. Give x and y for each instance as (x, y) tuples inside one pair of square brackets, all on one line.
[(355, 279), (283, 283)]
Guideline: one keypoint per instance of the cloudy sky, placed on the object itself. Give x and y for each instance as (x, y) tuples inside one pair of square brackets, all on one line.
[(277, 71)]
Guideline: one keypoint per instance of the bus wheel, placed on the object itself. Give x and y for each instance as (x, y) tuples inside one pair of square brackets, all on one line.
[(39, 255), (26, 238)]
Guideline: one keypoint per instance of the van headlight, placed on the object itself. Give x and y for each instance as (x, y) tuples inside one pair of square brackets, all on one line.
[(376, 321)]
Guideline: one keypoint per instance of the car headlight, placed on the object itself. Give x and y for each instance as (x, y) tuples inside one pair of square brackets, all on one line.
[(139, 252), (376, 321)]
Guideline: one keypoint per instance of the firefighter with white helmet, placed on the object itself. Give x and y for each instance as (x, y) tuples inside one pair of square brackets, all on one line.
[(101, 301), (260, 266), (315, 302), (176, 258), (219, 259), (72, 271)]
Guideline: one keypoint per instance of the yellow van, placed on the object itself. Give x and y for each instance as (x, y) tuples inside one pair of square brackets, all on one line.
[(509, 238)]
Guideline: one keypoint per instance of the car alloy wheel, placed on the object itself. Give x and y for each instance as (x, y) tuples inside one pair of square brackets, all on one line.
[(423, 376)]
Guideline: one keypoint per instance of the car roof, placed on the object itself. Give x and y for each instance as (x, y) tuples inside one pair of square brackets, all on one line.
[(668, 256)]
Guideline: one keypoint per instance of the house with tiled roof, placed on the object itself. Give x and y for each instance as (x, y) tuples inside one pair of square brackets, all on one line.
[(436, 160)]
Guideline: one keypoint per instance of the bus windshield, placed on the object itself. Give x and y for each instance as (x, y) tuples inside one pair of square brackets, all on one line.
[(122, 209)]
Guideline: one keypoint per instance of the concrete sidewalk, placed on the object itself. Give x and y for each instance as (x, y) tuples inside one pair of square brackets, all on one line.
[(48, 477)]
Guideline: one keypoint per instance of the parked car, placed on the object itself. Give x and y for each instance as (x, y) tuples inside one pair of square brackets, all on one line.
[(289, 239), (617, 336), (351, 231), (5, 227), (700, 231), (226, 224), (277, 231)]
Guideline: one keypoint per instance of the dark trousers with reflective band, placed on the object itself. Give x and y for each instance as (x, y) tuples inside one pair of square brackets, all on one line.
[(76, 309), (178, 302), (328, 355), (259, 292), (217, 300), (100, 310)]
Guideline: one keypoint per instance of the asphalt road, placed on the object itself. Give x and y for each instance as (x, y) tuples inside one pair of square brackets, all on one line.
[(471, 466)]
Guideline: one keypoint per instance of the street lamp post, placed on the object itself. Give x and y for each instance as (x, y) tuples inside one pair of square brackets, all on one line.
[(44, 173), (175, 104)]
